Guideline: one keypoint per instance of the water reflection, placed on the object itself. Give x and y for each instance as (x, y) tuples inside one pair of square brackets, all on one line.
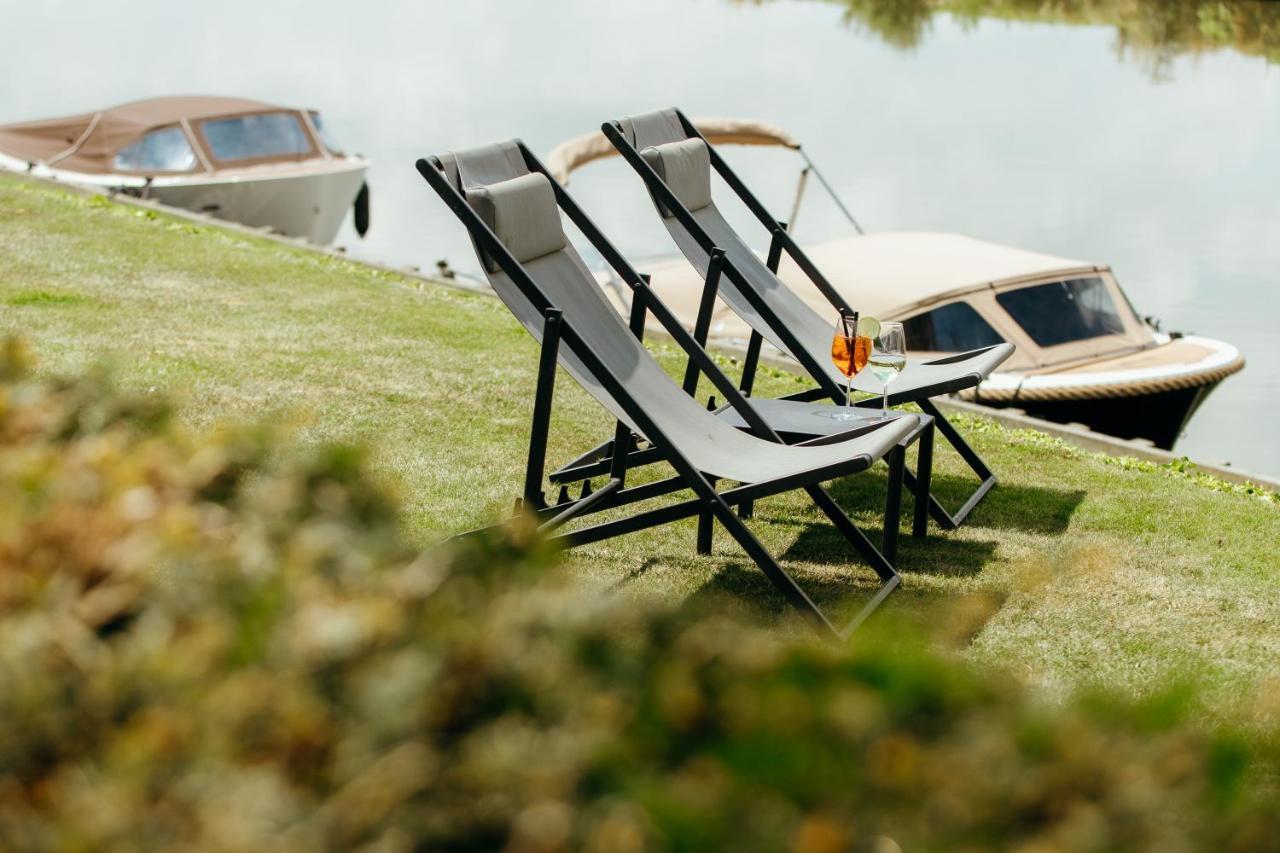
[(1153, 32), (1027, 133)]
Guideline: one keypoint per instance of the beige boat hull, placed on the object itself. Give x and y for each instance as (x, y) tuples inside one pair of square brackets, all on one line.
[(308, 200), (309, 204)]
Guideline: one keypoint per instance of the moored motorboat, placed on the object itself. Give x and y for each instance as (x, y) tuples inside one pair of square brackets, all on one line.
[(241, 160), (1084, 355)]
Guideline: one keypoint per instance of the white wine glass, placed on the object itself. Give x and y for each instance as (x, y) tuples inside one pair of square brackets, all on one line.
[(888, 358)]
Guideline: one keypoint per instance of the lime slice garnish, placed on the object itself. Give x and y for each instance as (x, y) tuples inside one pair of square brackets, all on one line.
[(868, 327)]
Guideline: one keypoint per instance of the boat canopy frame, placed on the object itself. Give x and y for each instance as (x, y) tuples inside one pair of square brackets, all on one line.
[(575, 153)]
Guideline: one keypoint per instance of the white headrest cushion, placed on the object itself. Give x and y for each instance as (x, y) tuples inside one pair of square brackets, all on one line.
[(523, 213), (685, 167)]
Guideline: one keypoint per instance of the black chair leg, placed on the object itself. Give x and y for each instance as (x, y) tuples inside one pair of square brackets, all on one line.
[(945, 519), (706, 527), (924, 469), (896, 459), (787, 585), (866, 550), (878, 561)]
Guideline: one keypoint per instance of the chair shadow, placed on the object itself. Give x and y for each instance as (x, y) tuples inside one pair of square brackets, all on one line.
[(739, 585), (911, 613), (1030, 509), (633, 575), (941, 617), (935, 615), (833, 575), (820, 542)]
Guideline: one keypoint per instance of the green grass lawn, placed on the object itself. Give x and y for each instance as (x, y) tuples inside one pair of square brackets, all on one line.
[(1075, 570)]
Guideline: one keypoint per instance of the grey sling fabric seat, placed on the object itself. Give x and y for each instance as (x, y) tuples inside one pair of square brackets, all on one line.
[(511, 208), (676, 164), (525, 204)]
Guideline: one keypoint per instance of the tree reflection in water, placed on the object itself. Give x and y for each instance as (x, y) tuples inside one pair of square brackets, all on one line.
[(1152, 32)]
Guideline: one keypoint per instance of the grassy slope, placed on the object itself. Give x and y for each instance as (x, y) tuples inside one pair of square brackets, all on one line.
[(1074, 569)]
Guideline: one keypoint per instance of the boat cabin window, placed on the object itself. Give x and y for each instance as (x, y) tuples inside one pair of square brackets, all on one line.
[(1063, 311), (256, 137), (951, 328), (325, 137), (163, 150)]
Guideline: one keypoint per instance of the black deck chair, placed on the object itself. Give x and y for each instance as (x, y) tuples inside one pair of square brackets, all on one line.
[(511, 208), (675, 161)]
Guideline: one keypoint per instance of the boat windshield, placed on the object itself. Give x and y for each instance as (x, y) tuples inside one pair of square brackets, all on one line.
[(1063, 311), (163, 150), (256, 137), (325, 136), (951, 328)]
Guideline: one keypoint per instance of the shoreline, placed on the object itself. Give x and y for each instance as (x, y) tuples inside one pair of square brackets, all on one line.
[(1074, 434)]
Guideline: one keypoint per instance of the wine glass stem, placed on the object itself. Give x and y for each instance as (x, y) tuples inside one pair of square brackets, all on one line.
[(848, 391), (884, 405)]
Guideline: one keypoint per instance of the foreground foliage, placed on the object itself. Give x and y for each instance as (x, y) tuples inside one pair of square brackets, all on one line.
[(1098, 571), (211, 641)]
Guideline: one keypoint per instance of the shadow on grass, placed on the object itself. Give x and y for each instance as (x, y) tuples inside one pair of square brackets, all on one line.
[(830, 572), (633, 575), (820, 542), (922, 614), (1031, 509), (844, 583), (743, 585), (953, 620)]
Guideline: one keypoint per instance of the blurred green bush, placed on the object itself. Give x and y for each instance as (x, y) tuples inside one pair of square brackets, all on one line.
[(214, 641)]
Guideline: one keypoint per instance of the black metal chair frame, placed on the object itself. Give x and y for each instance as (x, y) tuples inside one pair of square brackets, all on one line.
[(781, 241), (707, 503)]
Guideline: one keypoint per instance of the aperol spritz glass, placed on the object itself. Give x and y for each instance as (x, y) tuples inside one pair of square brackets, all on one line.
[(850, 352)]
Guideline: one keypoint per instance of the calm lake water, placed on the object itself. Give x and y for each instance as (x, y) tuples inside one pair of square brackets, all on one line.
[(1035, 134)]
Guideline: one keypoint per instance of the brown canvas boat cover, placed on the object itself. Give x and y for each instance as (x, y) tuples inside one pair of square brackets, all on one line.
[(89, 142), (581, 150), (892, 273)]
